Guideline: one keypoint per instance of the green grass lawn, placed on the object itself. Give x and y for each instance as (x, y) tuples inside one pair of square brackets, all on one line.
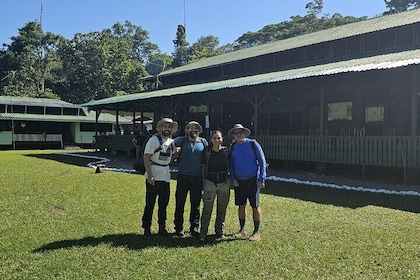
[(60, 220)]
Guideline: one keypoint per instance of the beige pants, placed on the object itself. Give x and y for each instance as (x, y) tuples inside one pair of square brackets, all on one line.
[(210, 191)]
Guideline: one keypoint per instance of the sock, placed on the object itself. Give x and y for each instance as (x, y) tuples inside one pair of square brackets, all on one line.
[(242, 224), (257, 225)]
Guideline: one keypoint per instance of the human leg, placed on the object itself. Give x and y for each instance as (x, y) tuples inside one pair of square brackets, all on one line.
[(195, 200), (163, 200), (254, 198), (223, 195), (209, 193), (151, 193), (240, 201), (180, 198)]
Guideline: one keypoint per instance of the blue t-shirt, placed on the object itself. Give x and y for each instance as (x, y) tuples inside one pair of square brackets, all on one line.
[(245, 165), (192, 155)]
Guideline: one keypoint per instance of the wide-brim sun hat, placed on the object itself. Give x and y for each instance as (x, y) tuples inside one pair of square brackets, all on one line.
[(173, 123), (237, 127), (194, 123)]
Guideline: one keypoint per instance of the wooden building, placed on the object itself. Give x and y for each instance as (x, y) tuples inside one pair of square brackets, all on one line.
[(347, 95), (40, 122)]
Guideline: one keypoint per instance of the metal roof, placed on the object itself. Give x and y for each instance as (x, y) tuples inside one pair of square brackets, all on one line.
[(379, 62), (32, 101), (331, 34), (89, 118)]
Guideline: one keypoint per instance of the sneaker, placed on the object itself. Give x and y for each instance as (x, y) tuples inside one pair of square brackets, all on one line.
[(147, 232), (180, 233), (240, 234), (255, 236)]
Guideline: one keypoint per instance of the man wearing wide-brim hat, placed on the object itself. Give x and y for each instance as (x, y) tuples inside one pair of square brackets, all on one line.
[(247, 171), (157, 157)]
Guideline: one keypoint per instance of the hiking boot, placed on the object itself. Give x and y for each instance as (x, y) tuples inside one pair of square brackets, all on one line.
[(255, 236), (147, 232), (240, 234)]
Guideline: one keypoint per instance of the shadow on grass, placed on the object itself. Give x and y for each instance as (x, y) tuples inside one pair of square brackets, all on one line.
[(343, 198), (79, 161), (132, 241)]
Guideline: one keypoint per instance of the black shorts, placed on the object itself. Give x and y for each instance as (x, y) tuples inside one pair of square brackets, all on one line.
[(247, 190)]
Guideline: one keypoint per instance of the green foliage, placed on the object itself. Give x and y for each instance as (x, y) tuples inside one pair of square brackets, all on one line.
[(396, 6), (62, 221), (181, 47)]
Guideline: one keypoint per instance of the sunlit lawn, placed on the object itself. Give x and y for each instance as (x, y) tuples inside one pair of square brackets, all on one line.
[(60, 220)]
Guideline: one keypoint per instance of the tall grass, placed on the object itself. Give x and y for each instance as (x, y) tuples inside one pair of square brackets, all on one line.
[(60, 220)]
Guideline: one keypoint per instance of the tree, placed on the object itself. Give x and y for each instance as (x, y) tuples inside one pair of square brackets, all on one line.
[(297, 25), (103, 64), (29, 57), (396, 6), (180, 53), (204, 47)]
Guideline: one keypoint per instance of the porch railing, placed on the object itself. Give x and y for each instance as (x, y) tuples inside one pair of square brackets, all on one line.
[(390, 151)]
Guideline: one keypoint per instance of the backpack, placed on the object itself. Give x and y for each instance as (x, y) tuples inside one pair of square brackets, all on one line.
[(139, 165)]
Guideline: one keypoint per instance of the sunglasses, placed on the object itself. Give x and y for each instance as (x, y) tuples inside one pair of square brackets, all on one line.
[(239, 132)]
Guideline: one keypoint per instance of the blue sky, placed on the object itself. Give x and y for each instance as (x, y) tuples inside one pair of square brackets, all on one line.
[(227, 19)]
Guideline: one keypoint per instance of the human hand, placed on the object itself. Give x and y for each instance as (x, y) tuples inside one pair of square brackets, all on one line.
[(260, 185)]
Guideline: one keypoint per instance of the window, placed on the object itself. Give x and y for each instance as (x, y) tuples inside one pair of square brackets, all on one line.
[(252, 65), (339, 48), (297, 56), (281, 59), (267, 62), (18, 109), (387, 39), (70, 111), (340, 111), (353, 46), (35, 110), (53, 111), (371, 42), (374, 113), (404, 36), (228, 69)]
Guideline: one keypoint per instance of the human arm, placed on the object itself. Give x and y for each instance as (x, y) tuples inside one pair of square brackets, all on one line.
[(146, 159)]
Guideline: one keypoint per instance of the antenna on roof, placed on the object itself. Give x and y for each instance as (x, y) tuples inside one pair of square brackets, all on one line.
[(185, 17), (154, 68)]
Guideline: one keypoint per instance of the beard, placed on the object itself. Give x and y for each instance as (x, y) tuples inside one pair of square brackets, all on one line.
[(193, 134), (166, 133)]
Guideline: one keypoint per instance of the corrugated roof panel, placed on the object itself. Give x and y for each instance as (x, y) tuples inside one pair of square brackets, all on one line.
[(344, 31), (89, 118), (31, 101), (356, 65)]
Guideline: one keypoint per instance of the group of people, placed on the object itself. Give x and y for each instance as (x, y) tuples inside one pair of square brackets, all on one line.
[(206, 172)]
